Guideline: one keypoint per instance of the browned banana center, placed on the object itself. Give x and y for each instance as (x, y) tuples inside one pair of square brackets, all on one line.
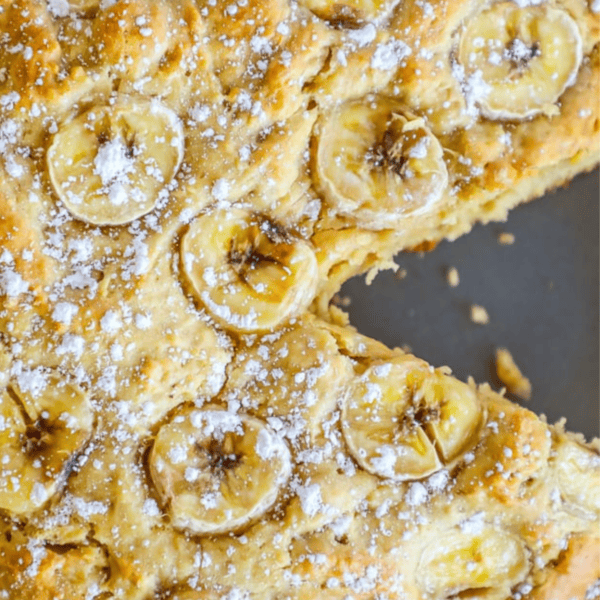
[(520, 54), (390, 153), (394, 153), (424, 414), (244, 254), (415, 416), (38, 437), (219, 456), (260, 245), (275, 232)]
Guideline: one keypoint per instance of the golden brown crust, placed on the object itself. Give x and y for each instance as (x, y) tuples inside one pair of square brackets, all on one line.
[(141, 335), (576, 573)]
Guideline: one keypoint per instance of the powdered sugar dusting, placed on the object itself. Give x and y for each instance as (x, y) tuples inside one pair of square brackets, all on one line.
[(473, 525), (38, 552), (112, 164), (389, 55), (310, 498), (59, 8), (11, 283), (475, 88), (267, 445), (385, 464)]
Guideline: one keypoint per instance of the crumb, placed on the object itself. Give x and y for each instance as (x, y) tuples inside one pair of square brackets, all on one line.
[(401, 274), (406, 348), (510, 375), (506, 239), (479, 315), (423, 247), (338, 316), (452, 277), (373, 271), (343, 301)]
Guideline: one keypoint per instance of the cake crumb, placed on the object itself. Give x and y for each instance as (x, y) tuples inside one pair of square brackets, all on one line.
[(401, 273), (479, 315), (510, 375), (343, 301), (506, 239), (452, 277)]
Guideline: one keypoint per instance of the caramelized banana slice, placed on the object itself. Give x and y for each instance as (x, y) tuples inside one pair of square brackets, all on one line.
[(524, 57), (578, 471), (40, 437), (217, 471), (402, 421), (378, 165), (454, 413), (110, 164), (475, 561), (250, 273)]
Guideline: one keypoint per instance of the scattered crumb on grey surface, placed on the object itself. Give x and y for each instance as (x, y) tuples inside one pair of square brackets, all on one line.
[(406, 348), (479, 315), (401, 273), (506, 239), (452, 277), (343, 301), (511, 376)]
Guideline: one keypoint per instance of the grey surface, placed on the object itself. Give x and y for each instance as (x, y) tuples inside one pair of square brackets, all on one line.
[(541, 294)]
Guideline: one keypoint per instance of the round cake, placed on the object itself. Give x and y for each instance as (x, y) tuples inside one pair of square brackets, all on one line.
[(185, 412)]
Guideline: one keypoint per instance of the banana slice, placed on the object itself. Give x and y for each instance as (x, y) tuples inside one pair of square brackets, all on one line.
[(522, 57), (40, 437), (402, 421), (217, 471), (378, 165), (350, 12), (475, 561), (454, 413), (578, 471), (296, 377), (110, 164), (249, 272)]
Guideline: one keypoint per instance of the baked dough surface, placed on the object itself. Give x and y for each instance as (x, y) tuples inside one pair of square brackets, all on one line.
[(183, 188)]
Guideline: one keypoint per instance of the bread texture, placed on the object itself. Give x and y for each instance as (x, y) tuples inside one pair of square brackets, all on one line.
[(184, 186)]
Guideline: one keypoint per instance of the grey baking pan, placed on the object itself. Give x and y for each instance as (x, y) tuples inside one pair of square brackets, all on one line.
[(541, 295)]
